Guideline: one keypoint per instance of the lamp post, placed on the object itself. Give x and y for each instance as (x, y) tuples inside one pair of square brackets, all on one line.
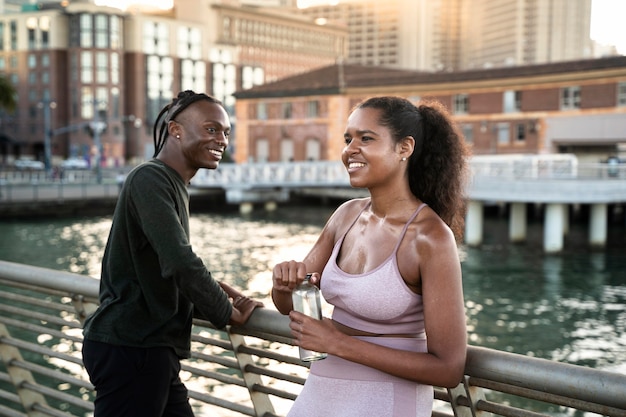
[(97, 127), (47, 105), (129, 134)]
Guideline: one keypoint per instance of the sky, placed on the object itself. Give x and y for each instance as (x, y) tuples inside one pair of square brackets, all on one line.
[(607, 23)]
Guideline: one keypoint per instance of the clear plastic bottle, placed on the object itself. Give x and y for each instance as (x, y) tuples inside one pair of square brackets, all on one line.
[(306, 300)]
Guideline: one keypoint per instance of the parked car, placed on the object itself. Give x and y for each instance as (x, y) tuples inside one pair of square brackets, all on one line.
[(29, 164), (74, 163)]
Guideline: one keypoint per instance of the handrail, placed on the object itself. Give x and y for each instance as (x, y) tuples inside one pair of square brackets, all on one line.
[(248, 370)]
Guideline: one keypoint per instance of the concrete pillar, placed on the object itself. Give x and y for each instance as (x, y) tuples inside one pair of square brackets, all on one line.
[(598, 225), (553, 228), (271, 206), (474, 223), (517, 222), (246, 208)]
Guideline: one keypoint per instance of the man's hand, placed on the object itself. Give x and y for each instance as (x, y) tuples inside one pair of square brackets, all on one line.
[(242, 309)]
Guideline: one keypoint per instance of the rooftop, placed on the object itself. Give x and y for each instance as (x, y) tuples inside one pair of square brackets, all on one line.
[(338, 77)]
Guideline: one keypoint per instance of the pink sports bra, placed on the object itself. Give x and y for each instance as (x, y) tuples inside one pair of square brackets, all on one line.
[(378, 301)]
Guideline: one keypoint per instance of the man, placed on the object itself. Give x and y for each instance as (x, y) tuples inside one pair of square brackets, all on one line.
[(152, 283)]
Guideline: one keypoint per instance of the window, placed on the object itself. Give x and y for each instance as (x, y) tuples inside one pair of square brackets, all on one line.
[(31, 26), (32, 40), (520, 132), (86, 103), (102, 101), (313, 109), (102, 31), (189, 43), (32, 61), (155, 38), (13, 35), (115, 103), (251, 76), (512, 101), (86, 34), (468, 132), (225, 84), (261, 111), (159, 80), (621, 94), (286, 110), (102, 67), (193, 75), (286, 150), (86, 67), (313, 151), (44, 27), (502, 130), (262, 150), (570, 98), (115, 31), (1, 36), (115, 68), (461, 103)]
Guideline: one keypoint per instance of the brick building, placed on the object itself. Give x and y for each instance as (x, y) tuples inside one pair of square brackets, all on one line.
[(75, 64), (575, 107)]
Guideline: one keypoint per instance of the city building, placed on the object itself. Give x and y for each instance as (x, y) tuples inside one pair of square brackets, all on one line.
[(91, 79), (452, 35), (576, 107)]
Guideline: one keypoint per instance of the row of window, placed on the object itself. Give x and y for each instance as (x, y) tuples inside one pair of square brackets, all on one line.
[(501, 131), (286, 110), (512, 100)]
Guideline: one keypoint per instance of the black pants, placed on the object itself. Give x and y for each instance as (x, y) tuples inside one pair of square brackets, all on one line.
[(135, 382)]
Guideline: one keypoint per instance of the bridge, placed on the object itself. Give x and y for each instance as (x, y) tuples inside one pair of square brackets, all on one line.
[(510, 178), (557, 181)]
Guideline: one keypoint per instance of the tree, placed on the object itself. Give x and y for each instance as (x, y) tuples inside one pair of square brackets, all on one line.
[(7, 94)]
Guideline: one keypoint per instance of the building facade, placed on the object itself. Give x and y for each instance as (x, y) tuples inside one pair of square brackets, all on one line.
[(91, 80), (453, 35), (572, 107)]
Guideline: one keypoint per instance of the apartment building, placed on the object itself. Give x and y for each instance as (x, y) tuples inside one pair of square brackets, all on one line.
[(452, 35), (571, 107), (91, 80)]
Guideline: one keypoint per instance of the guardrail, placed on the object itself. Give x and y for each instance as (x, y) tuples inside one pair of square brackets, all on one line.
[(251, 370)]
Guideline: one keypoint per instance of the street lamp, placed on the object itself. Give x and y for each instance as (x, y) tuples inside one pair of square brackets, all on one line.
[(47, 105), (97, 127), (130, 136)]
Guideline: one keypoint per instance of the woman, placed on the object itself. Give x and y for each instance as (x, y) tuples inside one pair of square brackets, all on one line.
[(389, 265)]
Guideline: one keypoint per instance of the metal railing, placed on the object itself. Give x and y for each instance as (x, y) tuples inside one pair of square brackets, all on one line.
[(251, 370)]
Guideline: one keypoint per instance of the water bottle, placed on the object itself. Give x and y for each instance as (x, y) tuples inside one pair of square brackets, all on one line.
[(306, 300)]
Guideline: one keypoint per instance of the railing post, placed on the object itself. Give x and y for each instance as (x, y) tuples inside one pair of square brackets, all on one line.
[(464, 393), (20, 377), (260, 401)]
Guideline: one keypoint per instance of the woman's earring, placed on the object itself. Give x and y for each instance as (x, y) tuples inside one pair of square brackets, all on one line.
[(404, 158), (177, 136)]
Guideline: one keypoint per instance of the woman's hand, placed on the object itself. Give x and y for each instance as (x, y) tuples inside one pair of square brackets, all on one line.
[(313, 334), (286, 276)]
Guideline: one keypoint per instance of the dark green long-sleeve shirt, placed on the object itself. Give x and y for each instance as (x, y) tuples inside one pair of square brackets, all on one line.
[(151, 279)]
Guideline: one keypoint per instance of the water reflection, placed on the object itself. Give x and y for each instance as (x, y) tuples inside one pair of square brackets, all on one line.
[(569, 307)]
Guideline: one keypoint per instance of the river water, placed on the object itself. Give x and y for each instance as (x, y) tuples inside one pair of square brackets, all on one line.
[(569, 307)]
